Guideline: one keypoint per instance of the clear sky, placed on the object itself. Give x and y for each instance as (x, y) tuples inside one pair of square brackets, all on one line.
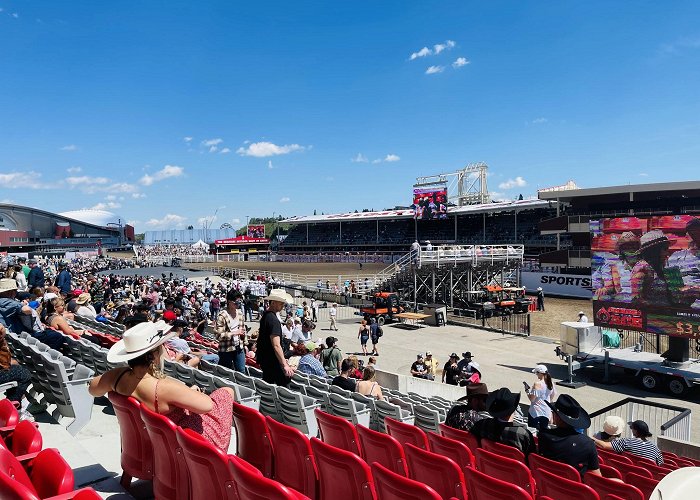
[(165, 111)]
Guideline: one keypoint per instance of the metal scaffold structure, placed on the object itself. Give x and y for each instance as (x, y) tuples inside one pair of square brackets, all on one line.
[(464, 187)]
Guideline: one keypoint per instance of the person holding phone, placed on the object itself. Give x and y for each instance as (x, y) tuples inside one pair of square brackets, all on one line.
[(541, 393)]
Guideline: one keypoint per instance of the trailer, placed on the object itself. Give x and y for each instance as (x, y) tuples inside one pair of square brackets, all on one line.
[(582, 344)]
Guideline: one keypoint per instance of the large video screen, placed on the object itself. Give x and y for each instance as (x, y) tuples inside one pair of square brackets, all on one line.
[(645, 273), (256, 231), (430, 203)]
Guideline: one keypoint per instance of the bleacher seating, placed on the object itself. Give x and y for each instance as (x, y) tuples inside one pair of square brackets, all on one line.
[(341, 473), (25, 438), (558, 488), (458, 451), (406, 433), (505, 469), (439, 472), (605, 486), (560, 469), (338, 432), (253, 438), (137, 450), (484, 487)]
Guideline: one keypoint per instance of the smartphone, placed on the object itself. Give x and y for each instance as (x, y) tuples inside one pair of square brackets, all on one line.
[(527, 387)]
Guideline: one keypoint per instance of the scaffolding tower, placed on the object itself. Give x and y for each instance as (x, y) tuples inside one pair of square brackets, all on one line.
[(464, 187)]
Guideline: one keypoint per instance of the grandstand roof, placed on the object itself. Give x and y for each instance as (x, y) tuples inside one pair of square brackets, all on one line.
[(660, 187), (501, 206)]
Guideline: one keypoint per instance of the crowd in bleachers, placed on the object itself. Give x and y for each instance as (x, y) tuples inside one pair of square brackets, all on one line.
[(172, 250)]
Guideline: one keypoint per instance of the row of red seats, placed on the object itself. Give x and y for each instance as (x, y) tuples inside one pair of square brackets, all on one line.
[(26, 471)]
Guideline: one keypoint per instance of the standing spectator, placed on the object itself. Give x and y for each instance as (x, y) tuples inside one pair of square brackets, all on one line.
[(637, 445), (332, 314), (97, 293), (540, 299), (375, 331), (343, 380), (582, 318), (363, 335), (314, 309), (63, 280), (431, 365), (206, 308), (468, 370), (502, 405), (274, 366), (418, 369), (20, 278), (230, 332), (331, 357), (25, 267), (215, 307), (450, 372), (36, 275), (541, 393)]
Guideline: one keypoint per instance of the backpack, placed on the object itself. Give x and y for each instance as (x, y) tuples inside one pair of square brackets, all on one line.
[(380, 332), (326, 358)]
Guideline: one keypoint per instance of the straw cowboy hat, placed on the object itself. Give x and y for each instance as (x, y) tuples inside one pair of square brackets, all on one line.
[(613, 425), (279, 295), (84, 298), (627, 238), (7, 284), (139, 340)]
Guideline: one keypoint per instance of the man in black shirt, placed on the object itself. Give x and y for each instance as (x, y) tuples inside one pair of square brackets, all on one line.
[(343, 380), (450, 372), (274, 366), (502, 405), (418, 368), (564, 444)]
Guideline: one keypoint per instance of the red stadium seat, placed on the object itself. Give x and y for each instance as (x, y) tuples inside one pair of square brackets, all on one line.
[(624, 467), (505, 469), (658, 472), (9, 416), (643, 483), (137, 451), (253, 438), (462, 436), (250, 485), (342, 474), (382, 449), (392, 486), (504, 450), (211, 477), (440, 473), (171, 478), (337, 432), (620, 457), (14, 490), (406, 433), (683, 462), (605, 486), (49, 474), (297, 468), (25, 439), (558, 488), (451, 448), (560, 469), (484, 487), (610, 471)]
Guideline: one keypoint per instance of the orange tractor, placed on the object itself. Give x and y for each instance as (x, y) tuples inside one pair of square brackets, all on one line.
[(383, 308)]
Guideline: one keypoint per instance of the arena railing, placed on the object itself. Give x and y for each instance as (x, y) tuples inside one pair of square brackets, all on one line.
[(662, 419)]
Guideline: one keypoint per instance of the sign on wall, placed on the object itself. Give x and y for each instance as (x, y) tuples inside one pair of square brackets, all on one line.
[(565, 285)]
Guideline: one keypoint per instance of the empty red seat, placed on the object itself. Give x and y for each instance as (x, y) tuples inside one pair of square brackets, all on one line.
[(48, 474), (504, 450), (459, 435), (382, 449), (9, 416), (684, 462), (451, 448), (251, 485), (171, 478), (137, 452), (253, 438), (440, 473), (605, 486), (625, 467), (392, 486), (643, 483), (14, 490), (620, 457), (505, 469), (24, 439), (297, 466), (610, 471), (558, 488), (484, 487), (342, 474), (337, 432), (406, 433), (657, 471), (560, 469)]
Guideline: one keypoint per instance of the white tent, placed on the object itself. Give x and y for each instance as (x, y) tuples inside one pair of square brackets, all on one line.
[(201, 244)]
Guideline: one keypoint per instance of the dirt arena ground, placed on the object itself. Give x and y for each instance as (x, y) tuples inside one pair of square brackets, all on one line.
[(321, 269)]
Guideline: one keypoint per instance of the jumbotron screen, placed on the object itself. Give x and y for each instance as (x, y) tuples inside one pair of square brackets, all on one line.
[(430, 203), (256, 231), (646, 274)]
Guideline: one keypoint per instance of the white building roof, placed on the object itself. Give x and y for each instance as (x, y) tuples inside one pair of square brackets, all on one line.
[(96, 217)]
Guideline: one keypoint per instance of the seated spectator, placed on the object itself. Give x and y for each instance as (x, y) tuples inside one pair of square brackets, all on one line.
[(54, 318), (179, 344), (502, 405), (637, 445), (252, 348), (84, 307), (331, 357), (308, 363), (368, 386), (343, 380), (612, 428), (564, 443), (11, 371), (372, 361), (464, 416), (418, 368), (356, 371)]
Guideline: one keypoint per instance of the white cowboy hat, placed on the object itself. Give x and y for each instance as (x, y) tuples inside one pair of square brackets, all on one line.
[(279, 295), (139, 340), (7, 284)]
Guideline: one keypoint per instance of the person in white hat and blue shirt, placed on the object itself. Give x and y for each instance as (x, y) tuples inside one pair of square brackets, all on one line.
[(270, 355)]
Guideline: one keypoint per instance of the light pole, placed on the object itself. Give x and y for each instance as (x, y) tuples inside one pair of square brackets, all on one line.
[(247, 217)]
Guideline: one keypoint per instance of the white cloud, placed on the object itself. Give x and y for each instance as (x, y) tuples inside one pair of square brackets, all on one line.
[(434, 69), (459, 62), (235, 221), (7, 200), (25, 180), (69, 147), (212, 142), (120, 187), (74, 170), (137, 196), (86, 180), (539, 121), (360, 158), (643, 174), (187, 139), (424, 52), (511, 183), (284, 199), (378, 160), (224, 151), (170, 220), (391, 157), (164, 173), (105, 206), (439, 47), (15, 15), (264, 149), (133, 223)]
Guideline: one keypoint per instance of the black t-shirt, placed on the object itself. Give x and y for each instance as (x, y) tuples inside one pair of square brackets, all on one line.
[(418, 366), (270, 326), (568, 446), (451, 373), (344, 383)]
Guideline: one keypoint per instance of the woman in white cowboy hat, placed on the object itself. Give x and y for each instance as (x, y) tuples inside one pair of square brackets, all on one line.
[(141, 348)]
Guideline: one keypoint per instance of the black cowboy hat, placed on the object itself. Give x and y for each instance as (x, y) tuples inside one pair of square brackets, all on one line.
[(502, 402), (568, 409)]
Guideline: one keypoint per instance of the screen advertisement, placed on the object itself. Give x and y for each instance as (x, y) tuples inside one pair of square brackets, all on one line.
[(645, 274), (256, 231), (430, 203)]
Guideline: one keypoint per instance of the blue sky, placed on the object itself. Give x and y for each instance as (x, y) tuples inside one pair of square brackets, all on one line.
[(164, 112)]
